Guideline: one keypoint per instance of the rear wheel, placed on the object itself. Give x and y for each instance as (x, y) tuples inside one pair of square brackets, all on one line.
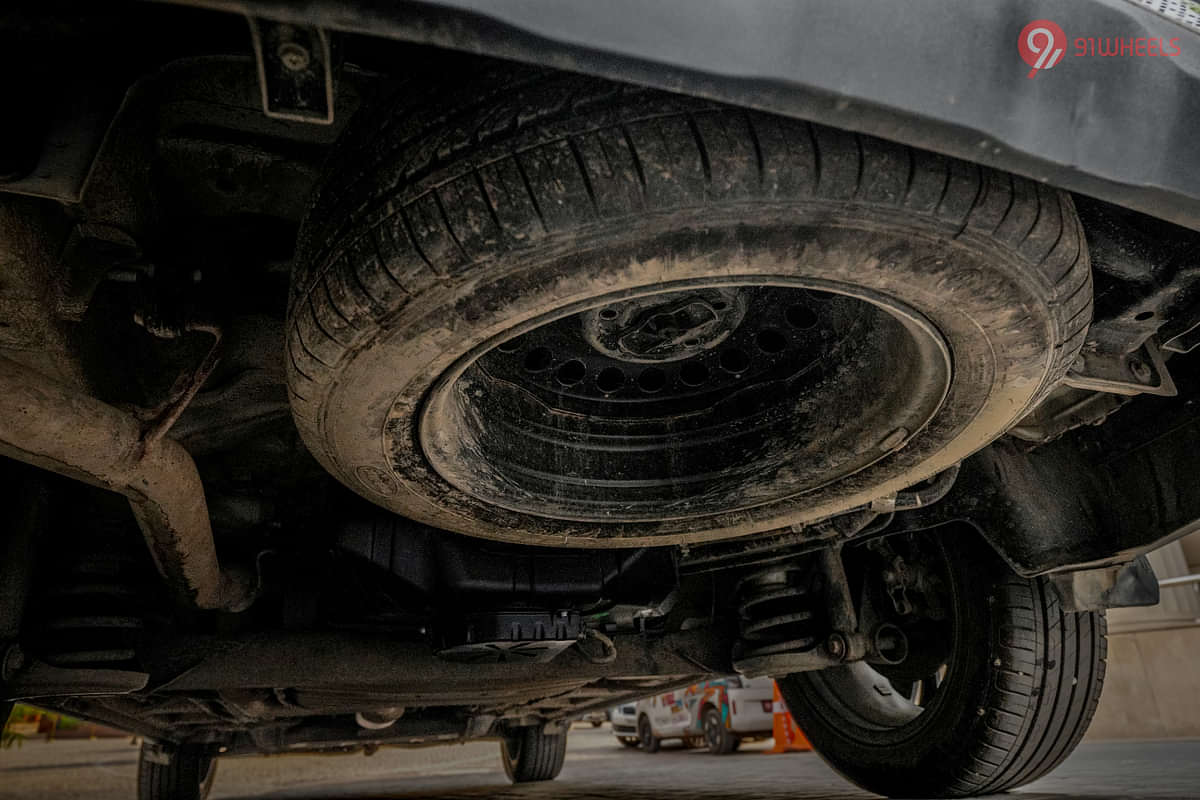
[(1004, 698), (188, 774), (530, 754), (717, 737), (649, 742)]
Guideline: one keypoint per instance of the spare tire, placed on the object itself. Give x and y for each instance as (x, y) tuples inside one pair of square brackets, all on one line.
[(543, 308)]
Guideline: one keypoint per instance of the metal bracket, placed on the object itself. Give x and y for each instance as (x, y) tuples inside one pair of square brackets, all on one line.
[(1132, 584), (295, 70), (1141, 371), (156, 753), (23, 677), (1184, 342)]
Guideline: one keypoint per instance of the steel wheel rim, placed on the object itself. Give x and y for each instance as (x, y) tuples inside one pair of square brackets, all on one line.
[(712, 732), (734, 413)]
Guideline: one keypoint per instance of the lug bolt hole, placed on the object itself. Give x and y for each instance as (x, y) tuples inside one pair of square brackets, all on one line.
[(610, 379), (693, 374), (734, 361), (770, 341), (570, 373), (608, 313), (652, 380), (801, 317), (538, 359)]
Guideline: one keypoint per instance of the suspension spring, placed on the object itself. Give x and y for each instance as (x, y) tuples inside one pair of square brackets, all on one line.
[(95, 608), (89, 616), (777, 611)]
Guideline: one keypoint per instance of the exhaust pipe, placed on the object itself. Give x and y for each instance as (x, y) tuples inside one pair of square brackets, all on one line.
[(55, 427)]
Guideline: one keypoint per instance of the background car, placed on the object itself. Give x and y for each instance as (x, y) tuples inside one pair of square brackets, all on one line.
[(719, 713)]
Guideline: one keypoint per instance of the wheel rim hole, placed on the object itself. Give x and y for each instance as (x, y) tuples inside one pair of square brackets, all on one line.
[(651, 380), (693, 374), (770, 341), (570, 373), (539, 359), (720, 305), (801, 317), (734, 361), (608, 313), (610, 379), (1144, 315)]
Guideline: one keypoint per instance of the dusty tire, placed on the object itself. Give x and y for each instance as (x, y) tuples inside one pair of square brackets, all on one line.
[(719, 740), (488, 208), (188, 776), (646, 738), (1020, 689), (531, 755)]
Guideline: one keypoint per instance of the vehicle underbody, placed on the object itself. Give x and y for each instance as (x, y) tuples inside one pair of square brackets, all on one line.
[(354, 391)]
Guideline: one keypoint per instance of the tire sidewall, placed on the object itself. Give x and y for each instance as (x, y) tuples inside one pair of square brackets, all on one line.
[(976, 293), (511, 750)]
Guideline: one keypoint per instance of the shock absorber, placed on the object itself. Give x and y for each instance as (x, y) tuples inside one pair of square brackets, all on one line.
[(778, 611)]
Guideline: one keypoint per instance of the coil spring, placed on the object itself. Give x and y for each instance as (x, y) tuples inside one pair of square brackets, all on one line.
[(91, 615), (776, 611)]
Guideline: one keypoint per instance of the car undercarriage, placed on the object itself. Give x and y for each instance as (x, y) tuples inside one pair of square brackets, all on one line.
[(414, 375)]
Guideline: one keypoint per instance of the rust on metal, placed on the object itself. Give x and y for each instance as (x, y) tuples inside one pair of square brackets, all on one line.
[(50, 425)]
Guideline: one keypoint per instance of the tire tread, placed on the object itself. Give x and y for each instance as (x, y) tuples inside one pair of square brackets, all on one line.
[(542, 756), (1057, 702)]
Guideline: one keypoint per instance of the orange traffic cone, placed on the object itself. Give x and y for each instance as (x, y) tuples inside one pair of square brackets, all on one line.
[(788, 736)]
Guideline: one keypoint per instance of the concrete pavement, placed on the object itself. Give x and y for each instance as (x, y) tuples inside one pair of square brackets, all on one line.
[(597, 768)]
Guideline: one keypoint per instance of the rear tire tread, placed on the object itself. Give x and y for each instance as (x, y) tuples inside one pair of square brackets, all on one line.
[(1027, 690), (177, 780), (541, 757)]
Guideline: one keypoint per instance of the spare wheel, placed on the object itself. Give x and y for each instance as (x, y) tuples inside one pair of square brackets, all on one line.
[(547, 309)]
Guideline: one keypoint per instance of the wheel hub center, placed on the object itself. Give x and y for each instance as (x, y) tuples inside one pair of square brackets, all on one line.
[(650, 329)]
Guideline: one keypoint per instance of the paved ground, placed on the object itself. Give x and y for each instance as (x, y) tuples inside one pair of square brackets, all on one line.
[(597, 769)]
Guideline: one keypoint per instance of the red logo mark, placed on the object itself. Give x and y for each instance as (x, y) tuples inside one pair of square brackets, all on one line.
[(1042, 44)]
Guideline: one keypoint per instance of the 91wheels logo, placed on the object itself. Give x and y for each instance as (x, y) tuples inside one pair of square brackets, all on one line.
[(1042, 45)]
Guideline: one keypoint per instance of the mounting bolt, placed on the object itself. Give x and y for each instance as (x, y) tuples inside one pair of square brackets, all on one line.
[(294, 57), (1140, 370), (835, 645)]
